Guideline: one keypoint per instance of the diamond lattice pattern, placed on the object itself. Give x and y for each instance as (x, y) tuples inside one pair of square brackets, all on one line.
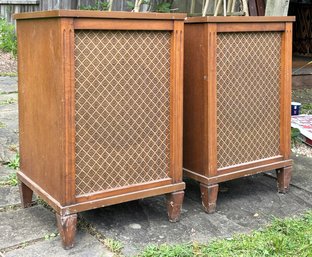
[(248, 105), (122, 108)]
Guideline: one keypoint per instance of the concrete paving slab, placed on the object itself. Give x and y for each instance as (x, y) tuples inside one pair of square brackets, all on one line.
[(8, 126), (7, 99), (7, 144), (252, 202), (302, 172), (248, 204), (8, 85), (5, 171), (25, 225), (86, 246), (9, 196)]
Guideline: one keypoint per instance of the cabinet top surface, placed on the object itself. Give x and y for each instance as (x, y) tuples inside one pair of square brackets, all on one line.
[(99, 15), (242, 19)]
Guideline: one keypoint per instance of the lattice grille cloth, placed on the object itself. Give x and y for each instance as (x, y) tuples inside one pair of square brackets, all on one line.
[(248, 81), (122, 108)]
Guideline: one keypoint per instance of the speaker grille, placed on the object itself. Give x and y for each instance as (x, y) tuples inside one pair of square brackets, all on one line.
[(248, 104), (122, 101)]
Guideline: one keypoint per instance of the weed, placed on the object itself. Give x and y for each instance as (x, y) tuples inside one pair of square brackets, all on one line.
[(8, 74), (8, 42), (14, 163), (8, 101), (50, 236), (295, 136), (10, 180), (113, 245)]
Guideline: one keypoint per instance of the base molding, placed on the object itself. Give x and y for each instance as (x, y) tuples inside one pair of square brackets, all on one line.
[(97, 203)]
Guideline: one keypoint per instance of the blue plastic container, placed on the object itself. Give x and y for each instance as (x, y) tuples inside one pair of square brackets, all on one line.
[(295, 108)]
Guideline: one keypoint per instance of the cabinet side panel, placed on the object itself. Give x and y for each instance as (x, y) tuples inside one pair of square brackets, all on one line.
[(195, 80), (41, 104)]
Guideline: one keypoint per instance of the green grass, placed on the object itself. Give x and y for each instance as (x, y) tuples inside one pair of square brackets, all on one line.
[(287, 237), (10, 180)]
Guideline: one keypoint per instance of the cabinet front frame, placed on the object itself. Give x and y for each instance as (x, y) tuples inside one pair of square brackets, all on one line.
[(211, 30), (69, 25)]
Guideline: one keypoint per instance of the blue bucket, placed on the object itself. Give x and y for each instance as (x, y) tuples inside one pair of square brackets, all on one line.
[(295, 108)]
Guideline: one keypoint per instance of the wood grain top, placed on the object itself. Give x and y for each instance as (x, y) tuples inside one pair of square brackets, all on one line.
[(246, 19), (99, 15)]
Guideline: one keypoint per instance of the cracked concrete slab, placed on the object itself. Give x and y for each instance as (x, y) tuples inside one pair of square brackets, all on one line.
[(86, 246), (9, 196), (248, 204), (25, 225)]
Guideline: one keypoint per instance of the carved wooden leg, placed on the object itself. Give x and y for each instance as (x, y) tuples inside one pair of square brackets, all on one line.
[(67, 228), (26, 195), (209, 195), (174, 205), (283, 179)]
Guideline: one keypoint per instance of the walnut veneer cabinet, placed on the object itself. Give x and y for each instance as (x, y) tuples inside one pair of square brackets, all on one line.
[(237, 98), (100, 110)]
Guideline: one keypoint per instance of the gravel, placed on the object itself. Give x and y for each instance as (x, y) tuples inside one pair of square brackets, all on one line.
[(302, 149), (8, 63)]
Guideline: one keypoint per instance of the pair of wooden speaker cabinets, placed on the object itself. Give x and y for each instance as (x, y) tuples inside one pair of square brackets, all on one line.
[(101, 101)]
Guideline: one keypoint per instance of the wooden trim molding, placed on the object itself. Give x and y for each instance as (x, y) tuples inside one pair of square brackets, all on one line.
[(97, 203), (100, 14), (250, 27), (236, 174), (113, 24), (231, 19)]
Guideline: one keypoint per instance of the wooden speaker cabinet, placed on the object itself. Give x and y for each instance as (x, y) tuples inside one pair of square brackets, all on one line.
[(100, 110), (237, 95)]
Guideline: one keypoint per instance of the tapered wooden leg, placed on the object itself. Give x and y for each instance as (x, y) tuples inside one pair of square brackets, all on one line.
[(67, 228), (283, 179), (26, 195), (209, 195), (174, 205)]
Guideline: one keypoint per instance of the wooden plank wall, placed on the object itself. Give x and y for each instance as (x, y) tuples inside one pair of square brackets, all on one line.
[(302, 43), (10, 7)]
